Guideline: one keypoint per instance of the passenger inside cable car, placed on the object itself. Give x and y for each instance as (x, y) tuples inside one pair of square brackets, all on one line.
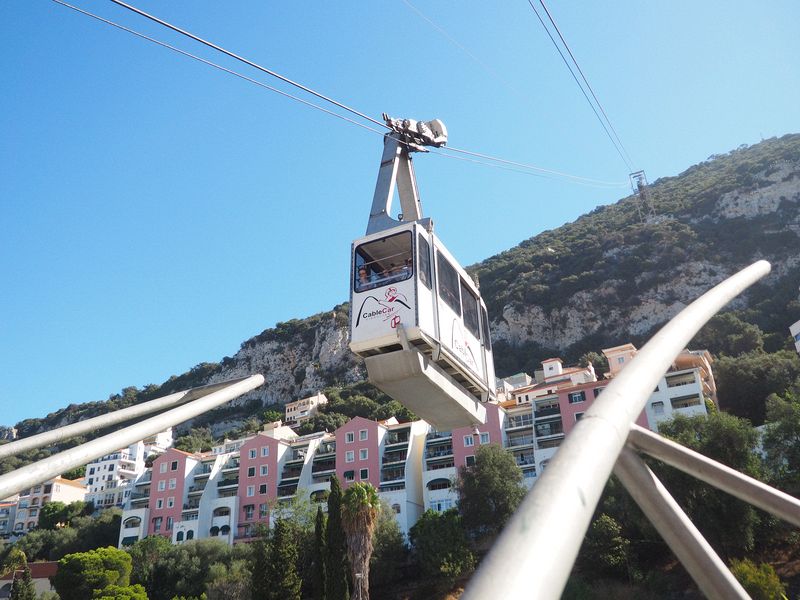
[(384, 261)]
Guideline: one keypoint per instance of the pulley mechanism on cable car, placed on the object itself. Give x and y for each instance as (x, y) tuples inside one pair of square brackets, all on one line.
[(416, 316)]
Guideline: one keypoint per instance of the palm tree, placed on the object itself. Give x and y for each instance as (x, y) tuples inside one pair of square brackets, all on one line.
[(360, 508)]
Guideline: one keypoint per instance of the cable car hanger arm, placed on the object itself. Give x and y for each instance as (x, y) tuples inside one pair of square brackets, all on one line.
[(397, 170)]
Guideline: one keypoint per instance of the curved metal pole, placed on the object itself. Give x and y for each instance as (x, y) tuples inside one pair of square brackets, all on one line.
[(534, 555), (113, 418), (47, 468), (695, 553)]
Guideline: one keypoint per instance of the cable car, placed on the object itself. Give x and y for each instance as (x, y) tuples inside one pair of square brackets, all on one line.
[(416, 316)]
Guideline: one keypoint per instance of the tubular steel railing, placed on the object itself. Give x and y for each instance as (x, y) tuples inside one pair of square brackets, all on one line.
[(534, 555), (195, 402)]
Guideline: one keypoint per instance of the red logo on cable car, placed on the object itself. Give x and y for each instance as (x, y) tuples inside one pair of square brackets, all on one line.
[(395, 321)]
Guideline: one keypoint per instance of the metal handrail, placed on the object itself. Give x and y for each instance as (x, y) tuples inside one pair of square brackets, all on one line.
[(48, 468), (545, 534)]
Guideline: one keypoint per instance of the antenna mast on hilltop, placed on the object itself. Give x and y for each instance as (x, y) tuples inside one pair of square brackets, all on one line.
[(641, 188)]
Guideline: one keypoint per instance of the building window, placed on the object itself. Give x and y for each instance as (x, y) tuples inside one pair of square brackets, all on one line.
[(578, 416), (249, 509), (262, 510), (658, 408), (470, 460), (396, 509), (363, 474), (170, 501), (264, 470), (162, 485), (252, 453), (576, 397), (620, 360), (362, 454), (363, 434), (251, 471), (173, 483), (598, 390), (169, 523), (262, 489), (157, 524), (484, 438), (349, 456), (162, 468), (91, 480), (179, 536), (160, 503), (91, 471), (264, 451), (251, 491), (349, 437), (469, 440), (34, 512), (174, 466), (349, 475)]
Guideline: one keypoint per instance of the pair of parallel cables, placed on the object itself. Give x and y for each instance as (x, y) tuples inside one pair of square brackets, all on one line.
[(373, 126)]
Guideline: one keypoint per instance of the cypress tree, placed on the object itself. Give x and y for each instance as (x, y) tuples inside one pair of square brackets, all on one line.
[(23, 587), (318, 566), (282, 567), (335, 547)]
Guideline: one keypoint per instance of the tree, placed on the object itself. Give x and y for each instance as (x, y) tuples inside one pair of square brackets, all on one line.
[(489, 491), (360, 507), (144, 555), (390, 552), (22, 587), (54, 515), (199, 439), (184, 569), (781, 441), (335, 547), (605, 552), (759, 581), (440, 545), (121, 592), (731, 441), (318, 557), (727, 334), (13, 561), (81, 573), (229, 583), (282, 568)]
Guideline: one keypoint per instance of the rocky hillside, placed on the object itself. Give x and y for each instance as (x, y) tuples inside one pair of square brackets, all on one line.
[(609, 277)]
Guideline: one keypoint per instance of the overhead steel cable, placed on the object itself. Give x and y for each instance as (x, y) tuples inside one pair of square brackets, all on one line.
[(218, 66), (586, 81), (517, 167), (247, 62), (577, 81)]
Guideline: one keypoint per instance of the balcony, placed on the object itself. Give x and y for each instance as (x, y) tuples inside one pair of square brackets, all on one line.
[(392, 486), (435, 466), (550, 443), (228, 483), (515, 422), (297, 456), (326, 448), (547, 411), (203, 472), (196, 489), (394, 457), (438, 453), (547, 429), (679, 380), (438, 435), (522, 440), (524, 460), (146, 479), (293, 472), (287, 489), (393, 475), (323, 466), (397, 437), (231, 465), (191, 506)]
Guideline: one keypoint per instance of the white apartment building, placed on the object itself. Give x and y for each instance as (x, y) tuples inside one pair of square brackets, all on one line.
[(304, 409), (110, 478), (31, 500)]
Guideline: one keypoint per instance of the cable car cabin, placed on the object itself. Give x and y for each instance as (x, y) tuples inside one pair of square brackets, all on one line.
[(417, 317)]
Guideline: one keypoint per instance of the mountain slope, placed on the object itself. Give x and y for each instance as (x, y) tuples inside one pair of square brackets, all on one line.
[(609, 277)]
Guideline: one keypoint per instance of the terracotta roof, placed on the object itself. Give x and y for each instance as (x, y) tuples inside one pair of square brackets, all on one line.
[(39, 570)]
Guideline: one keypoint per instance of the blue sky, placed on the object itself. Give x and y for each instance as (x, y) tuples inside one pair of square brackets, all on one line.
[(157, 212)]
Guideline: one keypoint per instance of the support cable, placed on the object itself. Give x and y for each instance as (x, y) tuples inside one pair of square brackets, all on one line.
[(586, 81), (575, 77)]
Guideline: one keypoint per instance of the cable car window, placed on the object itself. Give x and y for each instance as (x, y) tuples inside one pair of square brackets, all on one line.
[(470, 304), (487, 338), (384, 261), (448, 283), (424, 251)]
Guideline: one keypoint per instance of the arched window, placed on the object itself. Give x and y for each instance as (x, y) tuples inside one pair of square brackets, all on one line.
[(179, 536), (132, 522), (396, 508), (224, 530), (439, 484), (190, 534), (222, 511), (214, 531)]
